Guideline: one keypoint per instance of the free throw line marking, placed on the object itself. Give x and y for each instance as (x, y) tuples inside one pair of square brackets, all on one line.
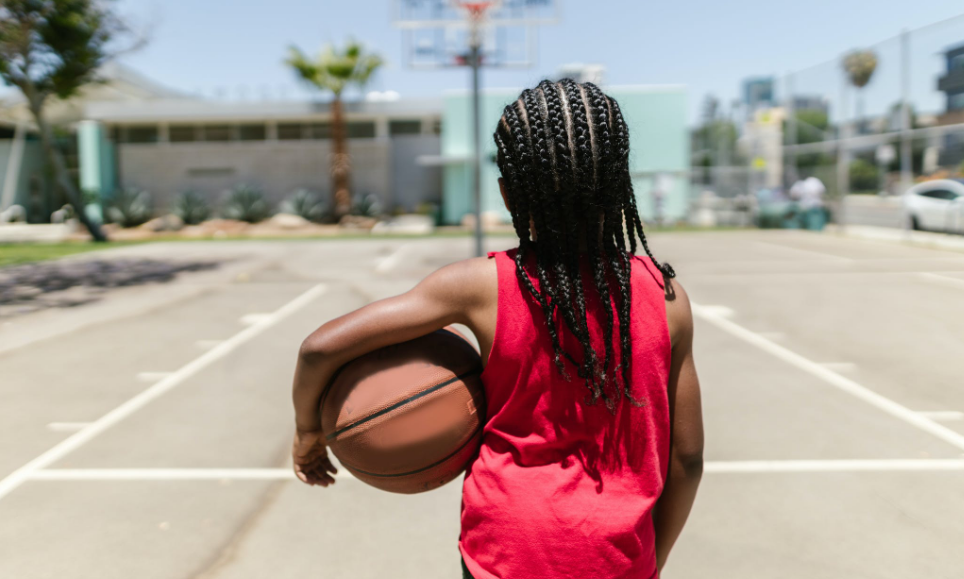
[(833, 378), (81, 437), (713, 467)]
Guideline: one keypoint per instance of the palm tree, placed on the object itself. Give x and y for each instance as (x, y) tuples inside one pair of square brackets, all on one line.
[(335, 70), (860, 66)]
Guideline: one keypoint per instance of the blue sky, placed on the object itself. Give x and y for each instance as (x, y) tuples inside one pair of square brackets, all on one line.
[(236, 47)]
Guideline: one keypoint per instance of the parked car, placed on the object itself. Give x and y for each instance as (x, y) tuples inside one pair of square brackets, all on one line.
[(936, 206)]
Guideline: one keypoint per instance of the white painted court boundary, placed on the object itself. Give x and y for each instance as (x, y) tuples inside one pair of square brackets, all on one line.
[(711, 467), (833, 378), (81, 437)]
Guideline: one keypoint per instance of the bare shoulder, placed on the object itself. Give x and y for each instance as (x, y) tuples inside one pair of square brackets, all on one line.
[(679, 313), (471, 281)]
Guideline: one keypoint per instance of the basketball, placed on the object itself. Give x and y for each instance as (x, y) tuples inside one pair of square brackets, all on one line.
[(407, 418)]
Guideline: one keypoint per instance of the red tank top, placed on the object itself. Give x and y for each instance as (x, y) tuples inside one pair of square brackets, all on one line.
[(560, 488)]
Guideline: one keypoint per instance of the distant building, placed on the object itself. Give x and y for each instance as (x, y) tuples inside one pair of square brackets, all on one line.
[(129, 132), (952, 85), (758, 93), (659, 152)]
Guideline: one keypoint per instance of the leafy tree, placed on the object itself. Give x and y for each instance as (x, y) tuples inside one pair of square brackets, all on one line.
[(335, 70), (49, 49), (812, 127), (864, 176)]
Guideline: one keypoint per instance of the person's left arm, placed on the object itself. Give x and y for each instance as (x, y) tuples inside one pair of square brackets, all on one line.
[(458, 293)]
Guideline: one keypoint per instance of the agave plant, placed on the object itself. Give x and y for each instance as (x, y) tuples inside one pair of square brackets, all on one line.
[(246, 203), (191, 207), (305, 203), (367, 206), (130, 207)]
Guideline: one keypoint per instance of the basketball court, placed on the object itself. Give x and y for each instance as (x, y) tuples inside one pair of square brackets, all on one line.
[(147, 435)]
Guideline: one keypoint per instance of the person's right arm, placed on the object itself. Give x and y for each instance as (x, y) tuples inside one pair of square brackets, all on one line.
[(686, 423)]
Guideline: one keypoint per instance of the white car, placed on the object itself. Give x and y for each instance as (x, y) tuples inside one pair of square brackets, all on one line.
[(936, 206)]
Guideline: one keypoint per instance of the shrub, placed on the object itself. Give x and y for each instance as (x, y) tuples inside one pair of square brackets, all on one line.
[(246, 203), (130, 207), (864, 176), (305, 203), (366, 206), (191, 207)]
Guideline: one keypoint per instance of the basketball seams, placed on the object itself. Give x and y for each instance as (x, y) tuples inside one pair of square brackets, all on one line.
[(405, 401)]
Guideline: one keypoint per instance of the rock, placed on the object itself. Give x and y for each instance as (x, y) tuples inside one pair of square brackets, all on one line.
[(288, 221), (357, 222), (408, 224), (164, 223)]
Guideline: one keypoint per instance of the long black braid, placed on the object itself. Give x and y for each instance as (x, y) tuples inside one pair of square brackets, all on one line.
[(563, 150)]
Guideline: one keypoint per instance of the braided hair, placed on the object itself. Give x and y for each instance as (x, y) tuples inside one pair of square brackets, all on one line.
[(563, 151)]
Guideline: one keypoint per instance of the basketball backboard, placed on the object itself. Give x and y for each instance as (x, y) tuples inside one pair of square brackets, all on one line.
[(438, 33)]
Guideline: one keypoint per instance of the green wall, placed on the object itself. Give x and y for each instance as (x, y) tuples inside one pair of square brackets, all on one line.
[(659, 152)]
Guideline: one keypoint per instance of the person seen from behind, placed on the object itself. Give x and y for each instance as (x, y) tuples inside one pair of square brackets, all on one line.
[(592, 451)]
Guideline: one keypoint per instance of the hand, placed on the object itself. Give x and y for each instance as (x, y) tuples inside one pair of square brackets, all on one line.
[(310, 454)]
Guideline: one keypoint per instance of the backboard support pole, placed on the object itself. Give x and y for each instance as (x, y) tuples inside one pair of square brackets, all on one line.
[(475, 57)]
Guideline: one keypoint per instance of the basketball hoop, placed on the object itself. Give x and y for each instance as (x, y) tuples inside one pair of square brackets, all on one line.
[(473, 33)]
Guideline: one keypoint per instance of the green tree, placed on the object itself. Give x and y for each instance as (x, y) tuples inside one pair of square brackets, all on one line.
[(334, 70), (812, 127), (49, 49)]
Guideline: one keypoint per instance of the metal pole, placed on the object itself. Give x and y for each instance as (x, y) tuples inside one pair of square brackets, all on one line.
[(906, 167), (791, 131), (474, 60), (843, 155)]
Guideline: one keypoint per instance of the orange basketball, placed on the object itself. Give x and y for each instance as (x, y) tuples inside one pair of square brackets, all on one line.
[(407, 418)]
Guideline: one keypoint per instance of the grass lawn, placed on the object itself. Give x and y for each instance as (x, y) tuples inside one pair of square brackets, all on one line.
[(16, 253)]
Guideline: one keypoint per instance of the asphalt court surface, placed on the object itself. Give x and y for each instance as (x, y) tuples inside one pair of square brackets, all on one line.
[(152, 439)]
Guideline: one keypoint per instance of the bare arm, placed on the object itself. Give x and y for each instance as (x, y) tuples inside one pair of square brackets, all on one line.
[(686, 419), (459, 293)]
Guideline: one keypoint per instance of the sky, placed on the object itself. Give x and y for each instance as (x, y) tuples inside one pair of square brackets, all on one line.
[(235, 49)]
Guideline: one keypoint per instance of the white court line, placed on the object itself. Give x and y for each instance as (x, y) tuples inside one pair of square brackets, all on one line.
[(808, 252), (386, 264), (152, 376), (833, 378), (161, 474), (882, 465), (66, 426), (251, 319), (942, 414), (78, 439), (711, 467)]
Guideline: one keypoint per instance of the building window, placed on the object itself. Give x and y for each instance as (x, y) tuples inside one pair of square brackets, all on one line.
[(437, 127), (318, 131), (252, 133), (955, 102), (956, 63), (404, 127), (361, 130), (289, 132), (216, 133), (139, 134), (182, 133)]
